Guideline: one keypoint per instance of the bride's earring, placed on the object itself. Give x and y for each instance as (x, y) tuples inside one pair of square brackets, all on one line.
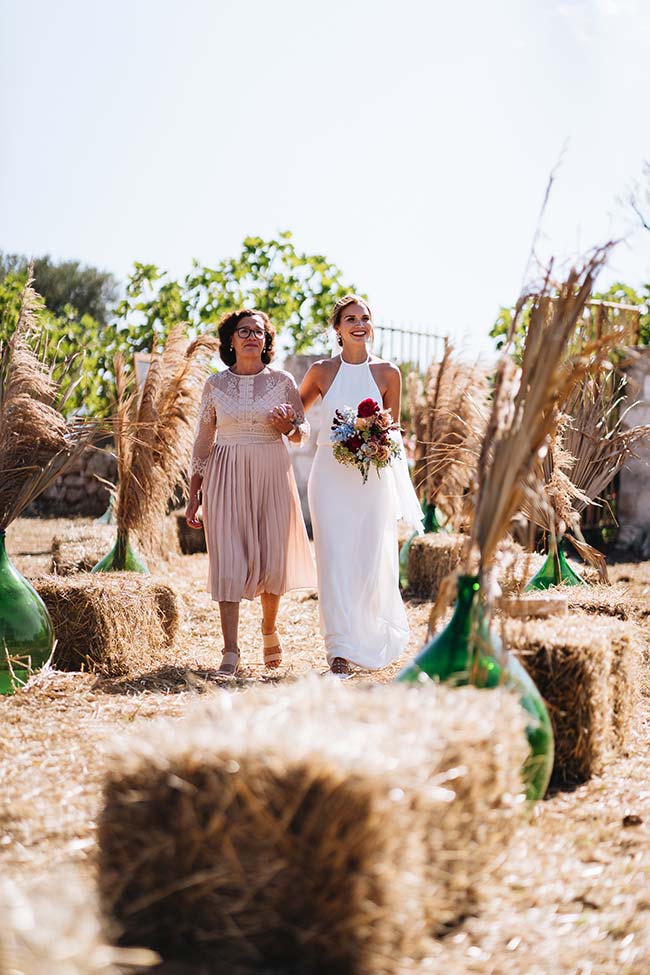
[(339, 339)]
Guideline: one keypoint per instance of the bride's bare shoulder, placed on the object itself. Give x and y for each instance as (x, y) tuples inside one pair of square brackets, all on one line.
[(324, 367), (383, 366)]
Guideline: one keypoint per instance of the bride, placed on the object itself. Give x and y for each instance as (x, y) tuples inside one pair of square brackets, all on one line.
[(362, 615)]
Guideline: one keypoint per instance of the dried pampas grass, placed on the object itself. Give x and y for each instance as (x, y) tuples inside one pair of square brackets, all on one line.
[(449, 413), (154, 433), (36, 441), (251, 834)]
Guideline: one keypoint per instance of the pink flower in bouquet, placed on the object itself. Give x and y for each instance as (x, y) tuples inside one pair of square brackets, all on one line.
[(367, 407), (372, 449), (384, 421), (383, 453)]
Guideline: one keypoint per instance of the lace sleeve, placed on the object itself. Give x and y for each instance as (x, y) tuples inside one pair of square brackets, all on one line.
[(205, 431), (293, 398)]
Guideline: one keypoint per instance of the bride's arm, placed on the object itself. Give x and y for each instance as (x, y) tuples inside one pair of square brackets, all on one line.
[(392, 390)]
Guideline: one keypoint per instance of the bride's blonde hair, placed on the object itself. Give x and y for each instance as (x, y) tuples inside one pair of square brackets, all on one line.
[(335, 316)]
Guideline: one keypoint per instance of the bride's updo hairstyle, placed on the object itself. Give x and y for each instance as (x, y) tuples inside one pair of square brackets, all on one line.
[(337, 310), (230, 323)]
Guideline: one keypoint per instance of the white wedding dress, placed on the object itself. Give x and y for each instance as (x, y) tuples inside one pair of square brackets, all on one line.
[(362, 614)]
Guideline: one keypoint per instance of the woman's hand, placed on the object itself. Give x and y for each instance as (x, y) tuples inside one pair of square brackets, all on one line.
[(283, 417), (190, 512)]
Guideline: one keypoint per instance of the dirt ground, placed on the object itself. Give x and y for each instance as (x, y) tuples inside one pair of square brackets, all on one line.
[(573, 895)]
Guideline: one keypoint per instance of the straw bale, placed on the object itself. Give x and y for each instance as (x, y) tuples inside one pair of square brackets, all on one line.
[(310, 825), (191, 540), (114, 623), (81, 548), (52, 927), (614, 600), (587, 670), (431, 558)]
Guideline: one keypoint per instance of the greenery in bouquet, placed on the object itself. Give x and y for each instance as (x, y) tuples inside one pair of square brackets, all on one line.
[(362, 437)]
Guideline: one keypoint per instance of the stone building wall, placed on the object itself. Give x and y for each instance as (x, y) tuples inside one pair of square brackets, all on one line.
[(633, 511), (79, 491)]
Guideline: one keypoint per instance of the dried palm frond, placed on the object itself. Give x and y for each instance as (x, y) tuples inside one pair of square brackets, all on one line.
[(154, 432), (598, 439), (36, 442), (449, 411), (526, 403)]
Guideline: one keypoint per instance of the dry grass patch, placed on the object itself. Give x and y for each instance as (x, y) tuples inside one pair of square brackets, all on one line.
[(253, 832)]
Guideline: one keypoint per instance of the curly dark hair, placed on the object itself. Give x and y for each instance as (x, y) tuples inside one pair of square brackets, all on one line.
[(230, 322)]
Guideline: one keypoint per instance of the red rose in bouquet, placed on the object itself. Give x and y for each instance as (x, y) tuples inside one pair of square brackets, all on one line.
[(367, 407), (353, 443)]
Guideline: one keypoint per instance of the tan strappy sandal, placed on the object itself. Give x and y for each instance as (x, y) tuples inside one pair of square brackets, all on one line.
[(229, 663), (272, 650)]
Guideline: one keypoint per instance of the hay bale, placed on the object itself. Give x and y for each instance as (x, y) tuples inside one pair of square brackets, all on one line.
[(114, 623), (191, 540), (431, 558), (615, 600), (587, 671), (316, 827), (53, 927), (81, 548)]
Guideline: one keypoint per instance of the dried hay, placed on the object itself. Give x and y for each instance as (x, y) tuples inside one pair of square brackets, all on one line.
[(81, 548), (587, 671), (191, 540), (53, 927), (432, 558), (113, 624), (253, 833), (518, 573), (614, 600)]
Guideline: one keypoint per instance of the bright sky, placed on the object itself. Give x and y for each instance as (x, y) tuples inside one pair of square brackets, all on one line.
[(409, 141)]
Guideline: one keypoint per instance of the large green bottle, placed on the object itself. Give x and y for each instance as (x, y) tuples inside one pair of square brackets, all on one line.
[(121, 558), (556, 571), (468, 652), (26, 631)]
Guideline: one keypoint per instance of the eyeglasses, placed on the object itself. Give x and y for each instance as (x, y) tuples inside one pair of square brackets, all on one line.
[(245, 333)]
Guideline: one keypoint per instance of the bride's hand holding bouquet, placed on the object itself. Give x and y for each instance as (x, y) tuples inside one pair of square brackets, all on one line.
[(361, 438)]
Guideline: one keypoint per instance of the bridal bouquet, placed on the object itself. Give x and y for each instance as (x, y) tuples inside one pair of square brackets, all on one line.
[(361, 437)]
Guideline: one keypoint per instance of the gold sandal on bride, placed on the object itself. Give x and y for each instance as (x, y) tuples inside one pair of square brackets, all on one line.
[(272, 650)]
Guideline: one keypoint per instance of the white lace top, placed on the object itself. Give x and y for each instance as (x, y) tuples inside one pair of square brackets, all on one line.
[(235, 410)]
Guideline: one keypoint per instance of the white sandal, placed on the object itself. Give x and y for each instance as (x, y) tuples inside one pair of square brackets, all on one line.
[(272, 650), (229, 664)]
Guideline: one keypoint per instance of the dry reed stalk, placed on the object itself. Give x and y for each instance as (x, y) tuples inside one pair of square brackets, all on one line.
[(154, 433), (251, 832), (587, 670), (36, 442), (113, 624), (53, 927), (526, 403), (449, 412)]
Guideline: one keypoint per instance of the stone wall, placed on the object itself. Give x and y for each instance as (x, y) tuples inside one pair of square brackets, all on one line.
[(79, 491), (633, 511)]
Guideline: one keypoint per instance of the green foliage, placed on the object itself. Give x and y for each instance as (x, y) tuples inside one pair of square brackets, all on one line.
[(296, 290), (66, 283)]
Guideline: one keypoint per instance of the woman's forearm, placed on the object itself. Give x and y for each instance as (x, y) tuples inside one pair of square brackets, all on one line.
[(195, 485)]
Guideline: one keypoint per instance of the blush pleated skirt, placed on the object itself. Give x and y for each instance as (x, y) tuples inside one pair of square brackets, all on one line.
[(255, 532)]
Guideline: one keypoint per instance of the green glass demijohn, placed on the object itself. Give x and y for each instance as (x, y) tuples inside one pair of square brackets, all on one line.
[(26, 631), (468, 652), (556, 571), (121, 558)]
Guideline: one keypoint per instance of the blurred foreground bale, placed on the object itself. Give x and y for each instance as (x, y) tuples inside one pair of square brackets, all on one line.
[(53, 927), (113, 623), (587, 670), (310, 825)]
